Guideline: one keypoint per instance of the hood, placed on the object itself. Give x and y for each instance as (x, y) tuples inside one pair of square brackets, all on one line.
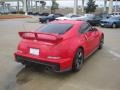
[(108, 20), (63, 18)]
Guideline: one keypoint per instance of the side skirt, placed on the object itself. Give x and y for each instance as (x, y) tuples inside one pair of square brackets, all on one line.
[(92, 52)]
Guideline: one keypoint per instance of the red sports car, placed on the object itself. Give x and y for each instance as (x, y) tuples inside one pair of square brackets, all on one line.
[(59, 45)]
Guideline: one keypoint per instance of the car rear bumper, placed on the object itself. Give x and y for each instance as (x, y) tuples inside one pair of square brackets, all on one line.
[(61, 65)]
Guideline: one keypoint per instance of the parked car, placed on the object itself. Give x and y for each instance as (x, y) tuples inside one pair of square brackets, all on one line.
[(104, 15), (50, 17), (60, 45), (30, 13), (113, 22), (92, 19), (68, 17), (115, 14), (44, 14), (59, 14), (38, 14), (35, 13), (5, 11)]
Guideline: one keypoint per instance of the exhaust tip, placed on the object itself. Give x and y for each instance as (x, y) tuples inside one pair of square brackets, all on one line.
[(48, 68)]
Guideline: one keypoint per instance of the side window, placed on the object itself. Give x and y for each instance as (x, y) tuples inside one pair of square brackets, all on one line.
[(85, 27), (74, 16)]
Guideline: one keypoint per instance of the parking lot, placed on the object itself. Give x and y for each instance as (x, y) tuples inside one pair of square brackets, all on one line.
[(100, 71)]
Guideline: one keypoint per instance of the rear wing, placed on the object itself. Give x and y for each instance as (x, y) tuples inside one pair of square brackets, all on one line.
[(40, 36)]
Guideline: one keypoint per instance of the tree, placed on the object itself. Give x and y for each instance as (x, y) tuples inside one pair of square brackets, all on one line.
[(54, 6), (43, 3), (91, 7)]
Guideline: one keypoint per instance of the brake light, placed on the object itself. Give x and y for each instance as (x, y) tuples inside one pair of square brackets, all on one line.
[(24, 35)]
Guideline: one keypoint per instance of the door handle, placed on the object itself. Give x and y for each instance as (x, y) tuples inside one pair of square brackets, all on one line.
[(87, 39)]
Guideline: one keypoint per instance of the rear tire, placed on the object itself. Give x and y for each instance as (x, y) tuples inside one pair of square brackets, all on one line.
[(101, 43), (78, 60)]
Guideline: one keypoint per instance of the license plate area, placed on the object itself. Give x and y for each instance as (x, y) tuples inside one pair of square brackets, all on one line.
[(102, 24), (34, 51)]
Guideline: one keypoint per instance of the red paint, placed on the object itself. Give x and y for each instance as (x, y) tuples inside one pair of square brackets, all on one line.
[(62, 46)]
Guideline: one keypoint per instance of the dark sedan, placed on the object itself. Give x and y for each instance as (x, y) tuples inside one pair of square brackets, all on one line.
[(50, 17), (113, 22), (92, 19)]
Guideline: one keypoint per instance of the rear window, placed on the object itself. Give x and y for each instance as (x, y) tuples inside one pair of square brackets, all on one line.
[(56, 28)]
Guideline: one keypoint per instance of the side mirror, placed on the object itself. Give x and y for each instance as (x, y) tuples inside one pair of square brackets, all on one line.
[(93, 29)]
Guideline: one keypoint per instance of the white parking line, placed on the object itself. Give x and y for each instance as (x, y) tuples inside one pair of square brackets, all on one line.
[(114, 53)]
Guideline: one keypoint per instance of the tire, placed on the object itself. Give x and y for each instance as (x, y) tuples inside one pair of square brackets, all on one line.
[(78, 60), (101, 43), (47, 21), (114, 25)]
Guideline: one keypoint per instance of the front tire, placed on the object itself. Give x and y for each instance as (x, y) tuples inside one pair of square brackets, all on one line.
[(114, 25), (47, 21), (78, 60)]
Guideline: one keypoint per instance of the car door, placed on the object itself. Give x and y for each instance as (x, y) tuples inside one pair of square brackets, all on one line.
[(119, 22), (90, 35), (94, 34)]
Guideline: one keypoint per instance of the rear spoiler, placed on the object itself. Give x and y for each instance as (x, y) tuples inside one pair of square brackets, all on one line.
[(40, 36)]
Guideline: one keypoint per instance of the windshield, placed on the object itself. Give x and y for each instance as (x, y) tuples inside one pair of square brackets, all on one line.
[(50, 15), (56, 28), (89, 17)]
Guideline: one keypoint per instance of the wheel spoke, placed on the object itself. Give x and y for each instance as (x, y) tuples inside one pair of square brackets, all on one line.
[(80, 54), (79, 60), (77, 65)]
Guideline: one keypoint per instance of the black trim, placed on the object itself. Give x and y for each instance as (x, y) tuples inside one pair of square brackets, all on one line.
[(21, 59)]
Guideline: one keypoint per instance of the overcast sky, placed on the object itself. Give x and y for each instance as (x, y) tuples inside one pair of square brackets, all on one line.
[(100, 3)]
